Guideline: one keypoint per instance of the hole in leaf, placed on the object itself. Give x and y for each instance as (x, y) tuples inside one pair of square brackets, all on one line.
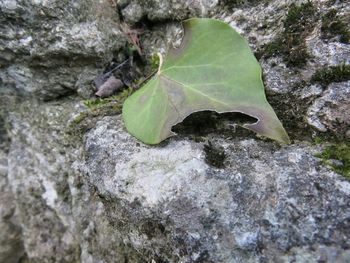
[(205, 122)]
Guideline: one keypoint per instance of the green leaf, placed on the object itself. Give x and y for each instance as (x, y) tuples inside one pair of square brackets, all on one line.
[(213, 69)]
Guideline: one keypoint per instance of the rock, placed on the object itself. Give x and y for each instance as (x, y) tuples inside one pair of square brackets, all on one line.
[(47, 47), (155, 10), (57, 208), (311, 91), (330, 112), (329, 54), (79, 188), (46, 233), (11, 245), (166, 203), (133, 12), (234, 208)]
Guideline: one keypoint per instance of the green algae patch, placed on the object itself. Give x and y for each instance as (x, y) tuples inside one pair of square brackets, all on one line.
[(299, 16), (333, 26), (328, 75), (114, 101), (154, 62), (95, 109), (101, 107), (337, 156), (240, 3), (80, 118), (298, 23)]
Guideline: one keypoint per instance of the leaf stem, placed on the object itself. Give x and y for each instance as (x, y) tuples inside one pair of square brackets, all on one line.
[(160, 62), (147, 78)]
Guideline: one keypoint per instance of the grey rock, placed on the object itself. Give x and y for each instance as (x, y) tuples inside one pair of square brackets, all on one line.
[(133, 12), (155, 10), (48, 46), (59, 212), (279, 78), (234, 208), (311, 91), (46, 233), (329, 54), (116, 198), (11, 245), (78, 188), (330, 112)]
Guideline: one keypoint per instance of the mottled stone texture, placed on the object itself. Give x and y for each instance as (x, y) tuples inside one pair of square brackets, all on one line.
[(11, 244), (52, 48), (133, 11), (331, 110), (76, 187)]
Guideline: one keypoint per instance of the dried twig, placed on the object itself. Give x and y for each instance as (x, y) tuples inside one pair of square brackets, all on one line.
[(133, 36)]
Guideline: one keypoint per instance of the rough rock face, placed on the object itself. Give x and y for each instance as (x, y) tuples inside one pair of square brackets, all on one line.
[(52, 48), (133, 11), (265, 202), (114, 198), (11, 245), (76, 187), (332, 108)]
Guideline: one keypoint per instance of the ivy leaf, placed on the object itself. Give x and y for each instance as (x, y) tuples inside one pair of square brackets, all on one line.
[(213, 69)]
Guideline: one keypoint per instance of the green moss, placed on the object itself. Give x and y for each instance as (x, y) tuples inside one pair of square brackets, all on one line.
[(80, 117), (292, 109), (154, 61), (299, 17), (236, 3), (103, 107), (331, 2), (341, 153), (271, 49), (317, 140), (333, 27), (116, 100), (95, 102), (290, 44), (96, 108), (327, 75)]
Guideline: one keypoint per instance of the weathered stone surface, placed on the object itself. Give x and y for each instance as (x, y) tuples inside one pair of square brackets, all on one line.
[(267, 200), (47, 233), (76, 187), (53, 48), (133, 11), (114, 197), (11, 246), (331, 110), (57, 209)]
